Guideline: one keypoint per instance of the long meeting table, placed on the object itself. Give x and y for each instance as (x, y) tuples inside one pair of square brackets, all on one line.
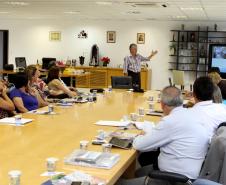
[(27, 147)]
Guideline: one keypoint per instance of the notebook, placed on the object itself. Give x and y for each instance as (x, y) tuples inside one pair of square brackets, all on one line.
[(11, 121), (113, 123)]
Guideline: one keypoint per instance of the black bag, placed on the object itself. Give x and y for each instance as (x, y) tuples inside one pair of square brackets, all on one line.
[(8, 67)]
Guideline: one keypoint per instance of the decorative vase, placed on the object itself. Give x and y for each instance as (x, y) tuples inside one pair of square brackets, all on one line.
[(105, 64), (81, 60)]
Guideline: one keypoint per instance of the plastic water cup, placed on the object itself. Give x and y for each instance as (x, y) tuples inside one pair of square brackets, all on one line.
[(133, 117), (159, 100), (51, 164), (84, 145), (106, 148), (14, 177), (101, 134), (141, 111), (151, 98), (50, 108), (125, 118), (18, 119), (95, 93), (109, 88), (151, 106), (90, 98)]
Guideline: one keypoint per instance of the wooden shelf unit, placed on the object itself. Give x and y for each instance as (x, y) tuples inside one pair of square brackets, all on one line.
[(192, 52)]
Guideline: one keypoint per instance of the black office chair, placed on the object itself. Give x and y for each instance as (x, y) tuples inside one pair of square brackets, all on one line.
[(12, 78), (121, 82), (21, 62), (47, 63), (174, 178)]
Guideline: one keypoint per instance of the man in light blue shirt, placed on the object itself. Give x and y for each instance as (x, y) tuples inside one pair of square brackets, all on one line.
[(132, 65), (181, 137)]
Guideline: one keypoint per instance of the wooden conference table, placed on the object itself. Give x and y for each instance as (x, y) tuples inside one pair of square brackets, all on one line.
[(26, 148)]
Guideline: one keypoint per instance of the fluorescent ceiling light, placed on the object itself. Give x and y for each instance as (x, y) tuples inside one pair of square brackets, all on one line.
[(191, 8), (17, 3), (72, 12), (179, 17), (4, 12), (104, 3)]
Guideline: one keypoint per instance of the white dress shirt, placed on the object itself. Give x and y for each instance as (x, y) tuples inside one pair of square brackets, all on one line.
[(213, 114), (182, 139)]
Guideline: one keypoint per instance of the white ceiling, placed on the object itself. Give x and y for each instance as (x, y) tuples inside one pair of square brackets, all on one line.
[(195, 10)]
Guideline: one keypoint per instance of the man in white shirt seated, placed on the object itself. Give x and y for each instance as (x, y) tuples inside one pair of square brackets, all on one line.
[(213, 114), (181, 137)]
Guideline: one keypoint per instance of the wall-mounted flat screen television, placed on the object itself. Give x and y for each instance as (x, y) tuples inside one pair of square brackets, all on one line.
[(217, 58)]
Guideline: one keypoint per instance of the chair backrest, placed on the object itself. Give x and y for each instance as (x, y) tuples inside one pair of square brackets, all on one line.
[(12, 78), (214, 167), (121, 82), (46, 62), (205, 182), (178, 77), (21, 62)]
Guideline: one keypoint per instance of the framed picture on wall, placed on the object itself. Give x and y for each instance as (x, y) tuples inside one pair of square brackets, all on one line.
[(111, 36), (140, 38), (55, 36)]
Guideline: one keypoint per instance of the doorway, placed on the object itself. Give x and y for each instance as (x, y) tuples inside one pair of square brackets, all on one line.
[(4, 39)]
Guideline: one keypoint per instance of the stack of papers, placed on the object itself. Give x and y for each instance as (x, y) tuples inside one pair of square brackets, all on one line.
[(76, 176), (92, 159), (12, 121), (87, 156), (113, 123)]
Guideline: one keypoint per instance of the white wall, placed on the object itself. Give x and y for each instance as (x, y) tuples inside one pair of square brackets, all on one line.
[(30, 38)]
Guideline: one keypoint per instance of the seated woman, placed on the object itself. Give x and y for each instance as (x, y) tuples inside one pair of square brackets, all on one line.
[(6, 105), (57, 85), (24, 98), (217, 96), (36, 84), (216, 78)]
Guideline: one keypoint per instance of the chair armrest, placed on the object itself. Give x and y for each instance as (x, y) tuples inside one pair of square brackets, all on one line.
[(169, 176)]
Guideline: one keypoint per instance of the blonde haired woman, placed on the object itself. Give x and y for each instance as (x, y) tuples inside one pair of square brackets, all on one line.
[(221, 83)]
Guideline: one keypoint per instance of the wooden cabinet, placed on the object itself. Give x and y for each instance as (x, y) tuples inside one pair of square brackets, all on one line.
[(100, 77)]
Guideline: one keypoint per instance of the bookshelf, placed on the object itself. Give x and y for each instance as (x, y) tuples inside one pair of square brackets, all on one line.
[(189, 49)]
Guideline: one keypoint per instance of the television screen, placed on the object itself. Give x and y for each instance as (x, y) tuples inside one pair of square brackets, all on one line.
[(219, 58)]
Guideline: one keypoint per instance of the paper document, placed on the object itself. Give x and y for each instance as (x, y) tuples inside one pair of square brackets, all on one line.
[(13, 121), (65, 104), (41, 112), (113, 123), (92, 159)]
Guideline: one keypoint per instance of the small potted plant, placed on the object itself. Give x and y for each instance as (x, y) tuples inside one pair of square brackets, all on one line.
[(105, 61)]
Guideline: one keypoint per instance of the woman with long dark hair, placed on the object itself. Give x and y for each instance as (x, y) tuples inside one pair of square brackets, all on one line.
[(57, 85)]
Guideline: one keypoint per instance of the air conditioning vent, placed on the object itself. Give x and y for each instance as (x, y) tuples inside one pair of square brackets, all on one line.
[(147, 4)]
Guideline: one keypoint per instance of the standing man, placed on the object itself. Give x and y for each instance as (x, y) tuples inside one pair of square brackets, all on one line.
[(132, 65)]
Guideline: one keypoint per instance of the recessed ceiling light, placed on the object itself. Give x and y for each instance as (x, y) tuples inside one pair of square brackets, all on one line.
[(17, 3), (104, 3), (72, 12), (191, 8)]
